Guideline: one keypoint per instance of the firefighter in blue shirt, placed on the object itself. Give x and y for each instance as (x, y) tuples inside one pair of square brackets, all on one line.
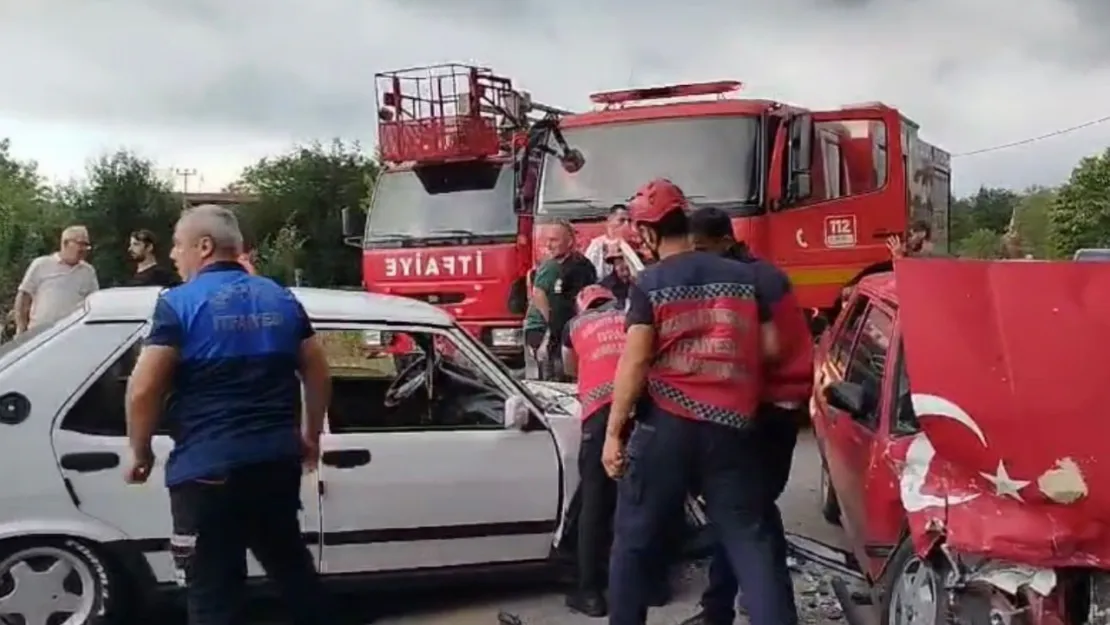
[(699, 336), (784, 406), (223, 365)]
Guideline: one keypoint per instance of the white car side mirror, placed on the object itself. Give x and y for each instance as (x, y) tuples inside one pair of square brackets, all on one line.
[(516, 412)]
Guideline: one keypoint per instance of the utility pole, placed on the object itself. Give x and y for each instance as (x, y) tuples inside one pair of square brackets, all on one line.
[(185, 174)]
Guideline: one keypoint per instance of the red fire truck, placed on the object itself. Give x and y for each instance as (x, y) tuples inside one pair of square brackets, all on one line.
[(450, 220), (819, 193)]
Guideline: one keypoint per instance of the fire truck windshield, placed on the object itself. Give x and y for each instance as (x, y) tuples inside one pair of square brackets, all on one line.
[(470, 200), (713, 159)]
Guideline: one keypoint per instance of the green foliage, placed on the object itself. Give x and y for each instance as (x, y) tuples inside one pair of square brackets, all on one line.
[(122, 193), (306, 190), (1080, 216), (1031, 222), (982, 243), (32, 217), (279, 255)]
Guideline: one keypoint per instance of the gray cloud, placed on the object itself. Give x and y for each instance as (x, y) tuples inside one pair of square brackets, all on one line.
[(972, 74)]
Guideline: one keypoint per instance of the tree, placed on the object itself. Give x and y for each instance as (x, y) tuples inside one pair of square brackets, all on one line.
[(1031, 222), (983, 243), (279, 255), (306, 189), (31, 220), (1080, 216), (123, 193), (989, 208)]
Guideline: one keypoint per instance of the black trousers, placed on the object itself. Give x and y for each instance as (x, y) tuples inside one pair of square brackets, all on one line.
[(215, 522), (598, 495), (778, 431)]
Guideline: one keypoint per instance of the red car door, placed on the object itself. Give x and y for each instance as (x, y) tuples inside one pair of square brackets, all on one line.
[(850, 438)]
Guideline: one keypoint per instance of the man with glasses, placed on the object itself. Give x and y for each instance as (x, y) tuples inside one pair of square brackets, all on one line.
[(56, 284)]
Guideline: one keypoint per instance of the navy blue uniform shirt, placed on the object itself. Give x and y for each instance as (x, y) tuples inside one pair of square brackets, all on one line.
[(236, 396), (706, 311)]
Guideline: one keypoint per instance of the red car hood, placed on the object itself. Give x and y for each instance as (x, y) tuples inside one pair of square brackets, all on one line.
[(1010, 381)]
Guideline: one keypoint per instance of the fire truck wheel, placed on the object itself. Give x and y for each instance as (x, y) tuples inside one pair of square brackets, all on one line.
[(912, 590), (830, 506)]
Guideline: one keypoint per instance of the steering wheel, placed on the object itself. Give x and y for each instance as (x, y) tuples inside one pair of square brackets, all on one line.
[(408, 381)]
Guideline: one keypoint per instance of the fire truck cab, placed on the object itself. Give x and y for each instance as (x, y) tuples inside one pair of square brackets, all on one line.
[(819, 193), (449, 221)]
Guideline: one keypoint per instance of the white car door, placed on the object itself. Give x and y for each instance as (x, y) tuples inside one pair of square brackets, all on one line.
[(402, 489), (90, 440)]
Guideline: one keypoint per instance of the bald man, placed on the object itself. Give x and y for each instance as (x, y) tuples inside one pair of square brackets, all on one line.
[(225, 360)]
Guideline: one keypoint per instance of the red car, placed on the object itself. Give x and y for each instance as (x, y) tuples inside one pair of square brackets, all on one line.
[(961, 413)]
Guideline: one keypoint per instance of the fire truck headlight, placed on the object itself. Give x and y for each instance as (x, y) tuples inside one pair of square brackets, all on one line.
[(375, 338), (506, 337)]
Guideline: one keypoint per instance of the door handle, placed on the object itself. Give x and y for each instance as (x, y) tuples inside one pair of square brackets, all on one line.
[(89, 462), (346, 458)]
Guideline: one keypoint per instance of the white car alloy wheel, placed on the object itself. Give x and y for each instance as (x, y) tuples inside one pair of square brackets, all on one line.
[(914, 594), (50, 585)]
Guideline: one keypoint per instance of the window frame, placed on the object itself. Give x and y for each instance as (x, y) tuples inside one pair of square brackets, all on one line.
[(874, 421), (900, 370), (452, 334), (458, 337), (840, 354), (133, 339)]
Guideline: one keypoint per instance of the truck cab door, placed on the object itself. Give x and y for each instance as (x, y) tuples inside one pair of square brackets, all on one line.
[(843, 195)]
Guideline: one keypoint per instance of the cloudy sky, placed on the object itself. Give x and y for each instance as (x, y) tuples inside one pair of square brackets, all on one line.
[(215, 84)]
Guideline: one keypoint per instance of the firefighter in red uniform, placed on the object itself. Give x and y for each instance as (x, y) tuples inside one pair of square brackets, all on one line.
[(592, 344), (784, 408), (699, 335)]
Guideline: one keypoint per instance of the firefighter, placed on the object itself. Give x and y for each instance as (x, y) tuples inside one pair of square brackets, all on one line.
[(592, 343), (699, 334), (783, 409)]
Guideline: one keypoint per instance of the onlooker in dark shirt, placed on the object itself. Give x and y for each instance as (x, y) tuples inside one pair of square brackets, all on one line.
[(786, 391), (555, 286), (147, 270)]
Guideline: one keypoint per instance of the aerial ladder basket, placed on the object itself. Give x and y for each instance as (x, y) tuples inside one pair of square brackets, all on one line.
[(444, 113)]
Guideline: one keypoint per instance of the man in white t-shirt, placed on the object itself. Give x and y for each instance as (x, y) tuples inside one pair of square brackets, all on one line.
[(56, 284), (615, 225)]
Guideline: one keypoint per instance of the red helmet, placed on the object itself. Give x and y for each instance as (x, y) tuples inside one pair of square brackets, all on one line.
[(655, 200), (592, 295)]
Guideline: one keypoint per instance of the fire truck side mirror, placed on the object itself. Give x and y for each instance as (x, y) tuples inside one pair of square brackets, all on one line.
[(352, 223), (801, 157), (572, 161)]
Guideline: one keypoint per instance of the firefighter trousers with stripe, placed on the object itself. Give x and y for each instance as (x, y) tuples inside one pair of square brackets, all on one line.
[(778, 428), (666, 458)]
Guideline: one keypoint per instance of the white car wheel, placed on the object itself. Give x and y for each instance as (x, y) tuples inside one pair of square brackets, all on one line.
[(52, 584)]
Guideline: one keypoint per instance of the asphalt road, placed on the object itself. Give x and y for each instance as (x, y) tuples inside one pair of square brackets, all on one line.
[(544, 605)]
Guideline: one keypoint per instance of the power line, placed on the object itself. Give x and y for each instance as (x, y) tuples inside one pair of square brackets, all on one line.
[(1055, 133)]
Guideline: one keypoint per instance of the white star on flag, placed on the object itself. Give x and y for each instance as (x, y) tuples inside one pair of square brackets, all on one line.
[(1004, 484)]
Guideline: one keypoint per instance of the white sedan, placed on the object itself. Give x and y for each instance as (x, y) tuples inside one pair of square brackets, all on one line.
[(435, 460)]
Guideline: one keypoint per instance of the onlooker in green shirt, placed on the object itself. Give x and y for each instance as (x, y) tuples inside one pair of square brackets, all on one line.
[(555, 284)]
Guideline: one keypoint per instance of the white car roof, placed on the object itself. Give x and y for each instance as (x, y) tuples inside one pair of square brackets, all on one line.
[(137, 304)]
